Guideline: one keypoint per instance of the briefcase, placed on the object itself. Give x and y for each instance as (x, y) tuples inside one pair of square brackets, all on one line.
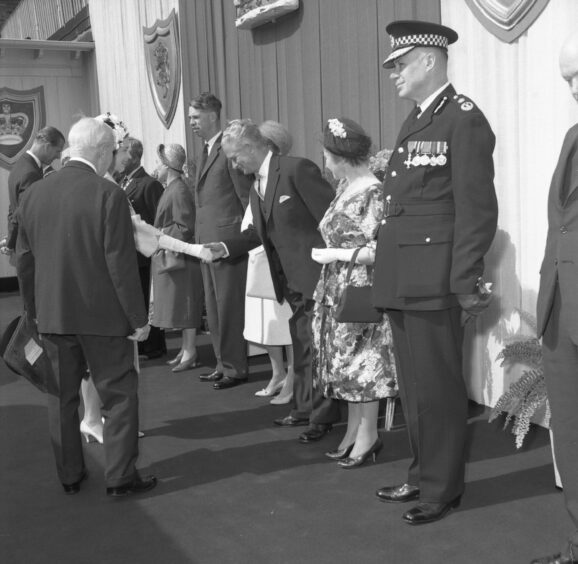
[(23, 353)]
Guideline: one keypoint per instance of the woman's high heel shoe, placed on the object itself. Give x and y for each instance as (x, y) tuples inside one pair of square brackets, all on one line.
[(91, 434), (362, 458), (193, 362), (175, 360), (340, 453), (281, 399), (270, 391)]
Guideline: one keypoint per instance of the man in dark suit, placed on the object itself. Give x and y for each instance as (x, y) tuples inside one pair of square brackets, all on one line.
[(440, 220), (288, 201), (46, 147), (80, 285), (558, 311), (144, 193), (221, 196)]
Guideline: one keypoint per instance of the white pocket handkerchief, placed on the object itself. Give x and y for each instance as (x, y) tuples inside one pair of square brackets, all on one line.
[(284, 199)]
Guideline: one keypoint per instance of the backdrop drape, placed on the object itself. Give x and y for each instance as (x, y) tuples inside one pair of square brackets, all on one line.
[(518, 86)]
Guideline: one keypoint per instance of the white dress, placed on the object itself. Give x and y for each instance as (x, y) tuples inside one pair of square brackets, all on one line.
[(266, 321)]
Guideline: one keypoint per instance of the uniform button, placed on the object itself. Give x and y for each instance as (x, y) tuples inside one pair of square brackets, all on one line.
[(393, 173), (563, 229), (556, 262), (400, 150), (383, 222), (427, 240)]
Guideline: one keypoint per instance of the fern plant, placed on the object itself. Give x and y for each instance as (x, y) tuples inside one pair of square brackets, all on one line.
[(525, 396)]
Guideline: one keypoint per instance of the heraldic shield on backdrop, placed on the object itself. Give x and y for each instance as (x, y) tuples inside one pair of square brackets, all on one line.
[(22, 116), (507, 19), (163, 61)]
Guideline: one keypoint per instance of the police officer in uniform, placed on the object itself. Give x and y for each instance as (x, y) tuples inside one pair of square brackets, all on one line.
[(440, 220)]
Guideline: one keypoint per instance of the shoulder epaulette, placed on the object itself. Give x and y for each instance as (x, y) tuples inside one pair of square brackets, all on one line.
[(463, 102)]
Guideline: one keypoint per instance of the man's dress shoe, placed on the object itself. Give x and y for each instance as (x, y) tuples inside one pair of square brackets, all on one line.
[(214, 376), (398, 494), (425, 512), (74, 488), (569, 556), (228, 382), (314, 433), (291, 421), (136, 486)]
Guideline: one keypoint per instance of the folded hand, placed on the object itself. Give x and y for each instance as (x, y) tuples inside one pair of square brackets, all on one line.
[(140, 334)]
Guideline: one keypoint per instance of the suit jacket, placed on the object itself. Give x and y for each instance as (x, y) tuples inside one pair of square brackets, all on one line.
[(76, 256), (286, 222), (221, 196), (560, 263), (144, 193), (441, 207), (24, 172)]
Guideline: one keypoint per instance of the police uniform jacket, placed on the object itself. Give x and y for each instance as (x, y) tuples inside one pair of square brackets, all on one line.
[(441, 207)]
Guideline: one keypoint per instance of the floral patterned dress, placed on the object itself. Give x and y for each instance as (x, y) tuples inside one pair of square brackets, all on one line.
[(352, 361)]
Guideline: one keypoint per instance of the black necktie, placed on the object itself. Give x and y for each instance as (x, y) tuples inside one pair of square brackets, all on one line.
[(204, 157)]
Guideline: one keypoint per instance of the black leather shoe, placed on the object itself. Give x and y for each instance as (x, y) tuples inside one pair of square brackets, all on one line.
[(228, 382), (314, 433), (425, 512), (398, 494), (74, 488), (214, 376), (138, 485), (291, 421), (570, 556)]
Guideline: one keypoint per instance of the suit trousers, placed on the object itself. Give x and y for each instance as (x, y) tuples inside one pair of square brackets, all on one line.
[(308, 402), (224, 283), (560, 355), (428, 353), (111, 364)]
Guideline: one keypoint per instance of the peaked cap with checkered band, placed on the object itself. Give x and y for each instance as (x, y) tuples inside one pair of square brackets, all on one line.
[(408, 34)]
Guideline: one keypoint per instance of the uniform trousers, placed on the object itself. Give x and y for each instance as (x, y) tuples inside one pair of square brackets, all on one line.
[(111, 364), (428, 353), (560, 355)]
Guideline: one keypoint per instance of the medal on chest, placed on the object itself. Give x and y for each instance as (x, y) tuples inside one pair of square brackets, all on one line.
[(426, 153)]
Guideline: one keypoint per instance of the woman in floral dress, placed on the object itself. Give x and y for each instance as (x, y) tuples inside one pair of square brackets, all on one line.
[(352, 361)]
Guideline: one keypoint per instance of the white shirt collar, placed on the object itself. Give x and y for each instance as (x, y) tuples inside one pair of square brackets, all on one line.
[(212, 141), (80, 159), (263, 171), (129, 176), (36, 159), (429, 100)]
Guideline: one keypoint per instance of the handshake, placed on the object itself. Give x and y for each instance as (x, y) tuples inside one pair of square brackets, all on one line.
[(149, 240)]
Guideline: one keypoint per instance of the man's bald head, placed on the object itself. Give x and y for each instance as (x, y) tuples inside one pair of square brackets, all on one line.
[(569, 63)]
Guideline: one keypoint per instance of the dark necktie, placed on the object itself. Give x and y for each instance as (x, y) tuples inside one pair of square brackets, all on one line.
[(204, 157)]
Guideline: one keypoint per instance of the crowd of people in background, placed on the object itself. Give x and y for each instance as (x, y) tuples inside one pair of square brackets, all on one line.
[(261, 229)]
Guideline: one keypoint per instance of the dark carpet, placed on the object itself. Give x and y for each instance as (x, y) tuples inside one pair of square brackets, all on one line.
[(233, 488)]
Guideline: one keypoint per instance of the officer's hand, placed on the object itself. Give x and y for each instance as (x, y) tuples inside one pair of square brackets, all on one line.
[(472, 305)]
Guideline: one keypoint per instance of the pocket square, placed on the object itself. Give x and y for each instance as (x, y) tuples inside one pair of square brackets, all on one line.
[(284, 199)]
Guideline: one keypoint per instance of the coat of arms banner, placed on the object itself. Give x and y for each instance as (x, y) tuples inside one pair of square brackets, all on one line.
[(507, 19), (22, 115), (163, 62)]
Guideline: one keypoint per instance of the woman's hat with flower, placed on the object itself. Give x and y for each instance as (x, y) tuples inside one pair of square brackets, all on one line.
[(119, 129), (172, 155), (346, 138)]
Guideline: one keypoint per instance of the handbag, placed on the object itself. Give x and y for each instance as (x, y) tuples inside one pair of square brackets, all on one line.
[(23, 353), (354, 305), (168, 261), (259, 281)]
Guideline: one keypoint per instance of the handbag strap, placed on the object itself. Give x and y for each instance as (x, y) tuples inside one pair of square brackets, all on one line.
[(352, 264)]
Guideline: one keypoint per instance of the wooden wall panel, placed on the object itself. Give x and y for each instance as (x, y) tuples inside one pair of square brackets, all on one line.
[(69, 91), (321, 61)]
